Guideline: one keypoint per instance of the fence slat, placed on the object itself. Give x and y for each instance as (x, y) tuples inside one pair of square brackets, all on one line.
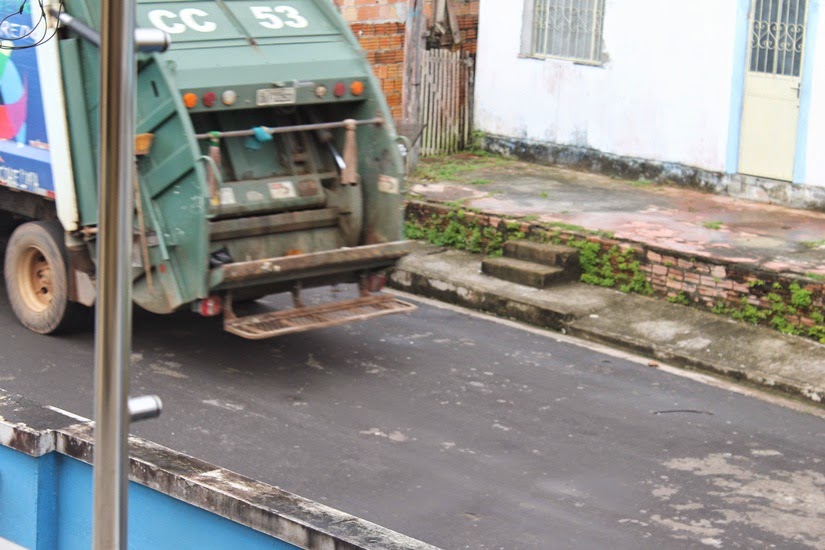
[(446, 85)]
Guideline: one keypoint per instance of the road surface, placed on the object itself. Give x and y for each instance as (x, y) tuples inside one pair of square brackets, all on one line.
[(462, 431)]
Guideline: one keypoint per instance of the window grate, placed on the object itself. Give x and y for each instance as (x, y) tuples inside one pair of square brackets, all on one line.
[(777, 36), (568, 29)]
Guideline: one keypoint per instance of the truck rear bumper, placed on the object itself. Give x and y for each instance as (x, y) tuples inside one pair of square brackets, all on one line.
[(304, 266)]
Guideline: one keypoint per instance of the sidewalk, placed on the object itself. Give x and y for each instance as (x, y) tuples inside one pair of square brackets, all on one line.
[(707, 249)]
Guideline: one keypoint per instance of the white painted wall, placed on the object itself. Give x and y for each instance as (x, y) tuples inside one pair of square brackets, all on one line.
[(664, 94)]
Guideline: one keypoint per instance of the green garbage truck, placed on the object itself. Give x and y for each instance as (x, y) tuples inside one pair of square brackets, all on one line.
[(266, 162)]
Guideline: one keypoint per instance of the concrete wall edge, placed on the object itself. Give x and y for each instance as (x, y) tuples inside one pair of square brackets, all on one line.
[(35, 430), (802, 196)]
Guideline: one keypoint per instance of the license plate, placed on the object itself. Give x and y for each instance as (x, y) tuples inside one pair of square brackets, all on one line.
[(275, 96)]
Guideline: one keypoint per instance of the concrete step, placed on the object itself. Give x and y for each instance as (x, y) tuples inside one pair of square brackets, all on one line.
[(524, 272), (543, 253)]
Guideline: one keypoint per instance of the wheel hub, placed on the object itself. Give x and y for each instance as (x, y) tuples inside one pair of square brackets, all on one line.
[(35, 276)]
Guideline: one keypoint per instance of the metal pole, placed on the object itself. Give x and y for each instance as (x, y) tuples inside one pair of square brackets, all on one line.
[(114, 299), (411, 100)]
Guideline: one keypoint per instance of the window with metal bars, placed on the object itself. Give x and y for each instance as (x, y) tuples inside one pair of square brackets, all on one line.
[(567, 29), (778, 36)]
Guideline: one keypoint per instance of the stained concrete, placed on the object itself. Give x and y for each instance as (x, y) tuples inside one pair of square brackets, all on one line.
[(768, 237), (670, 332), (692, 222)]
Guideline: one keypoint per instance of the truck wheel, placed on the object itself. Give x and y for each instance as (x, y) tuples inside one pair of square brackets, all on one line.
[(36, 272)]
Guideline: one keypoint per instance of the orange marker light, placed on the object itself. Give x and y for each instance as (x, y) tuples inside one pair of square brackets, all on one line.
[(357, 87), (190, 100)]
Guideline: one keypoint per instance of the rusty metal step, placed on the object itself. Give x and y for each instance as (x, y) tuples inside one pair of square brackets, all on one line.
[(299, 319)]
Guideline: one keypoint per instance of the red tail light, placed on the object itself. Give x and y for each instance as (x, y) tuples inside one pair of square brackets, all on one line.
[(209, 98), (209, 307)]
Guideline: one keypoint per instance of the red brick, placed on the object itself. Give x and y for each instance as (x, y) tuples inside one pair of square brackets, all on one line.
[(684, 264), (674, 284), (394, 99), (381, 71), (369, 43), (719, 271), (368, 13)]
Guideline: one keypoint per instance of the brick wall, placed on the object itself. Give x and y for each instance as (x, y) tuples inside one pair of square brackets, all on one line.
[(467, 14), (380, 26), (789, 303), (730, 286)]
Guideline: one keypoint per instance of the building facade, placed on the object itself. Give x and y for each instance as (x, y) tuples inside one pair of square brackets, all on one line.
[(724, 94)]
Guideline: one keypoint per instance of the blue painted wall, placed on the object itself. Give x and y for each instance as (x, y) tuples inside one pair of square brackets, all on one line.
[(27, 499), (740, 62), (800, 173), (46, 504)]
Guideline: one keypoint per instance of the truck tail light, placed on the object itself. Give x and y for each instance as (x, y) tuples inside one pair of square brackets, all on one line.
[(357, 88), (209, 98), (190, 100), (229, 97), (209, 307), (339, 90)]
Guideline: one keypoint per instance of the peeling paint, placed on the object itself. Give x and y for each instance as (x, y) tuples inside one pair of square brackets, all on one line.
[(700, 528), (165, 371), (664, 492), (739, 490), (765, 452), (234, 407), (662, 330), (697, 343), (314, 363), (395, 437)]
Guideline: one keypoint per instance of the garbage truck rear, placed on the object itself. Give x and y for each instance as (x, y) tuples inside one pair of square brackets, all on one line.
[(266, 162)]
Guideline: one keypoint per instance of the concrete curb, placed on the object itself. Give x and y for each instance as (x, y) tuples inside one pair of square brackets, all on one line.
[(673, 333), (35, 431)]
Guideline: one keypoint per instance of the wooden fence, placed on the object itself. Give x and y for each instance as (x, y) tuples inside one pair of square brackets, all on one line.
[(446, 99)]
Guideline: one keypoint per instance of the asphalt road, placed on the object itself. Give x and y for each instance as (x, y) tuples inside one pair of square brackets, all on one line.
[(463, 432)]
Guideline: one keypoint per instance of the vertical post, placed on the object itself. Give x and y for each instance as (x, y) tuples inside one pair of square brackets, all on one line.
[(411, 93), (114, 304)]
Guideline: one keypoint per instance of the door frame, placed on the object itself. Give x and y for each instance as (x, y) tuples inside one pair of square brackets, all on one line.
[(740, 66)]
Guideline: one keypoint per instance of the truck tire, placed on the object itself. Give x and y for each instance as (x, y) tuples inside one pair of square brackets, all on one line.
[(36, 273)]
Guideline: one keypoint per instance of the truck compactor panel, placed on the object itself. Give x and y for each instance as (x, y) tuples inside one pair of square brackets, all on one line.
[(266, 162)]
